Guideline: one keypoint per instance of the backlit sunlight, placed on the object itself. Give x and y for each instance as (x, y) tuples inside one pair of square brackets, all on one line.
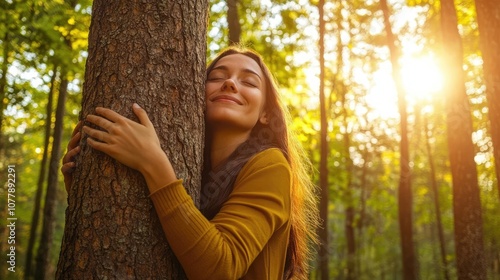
[(421, 77)]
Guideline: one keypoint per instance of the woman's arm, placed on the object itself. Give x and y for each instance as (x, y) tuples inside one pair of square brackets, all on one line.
[(225, 247)]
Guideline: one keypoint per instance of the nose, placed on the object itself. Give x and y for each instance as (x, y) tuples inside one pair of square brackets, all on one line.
[(229, 85)]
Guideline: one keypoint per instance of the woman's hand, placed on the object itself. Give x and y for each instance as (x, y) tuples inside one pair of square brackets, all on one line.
[(133, 144), (69, 158)]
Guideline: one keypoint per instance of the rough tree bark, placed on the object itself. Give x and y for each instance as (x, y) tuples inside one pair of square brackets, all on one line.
[(405, 201), (151, 53), (467, 213)]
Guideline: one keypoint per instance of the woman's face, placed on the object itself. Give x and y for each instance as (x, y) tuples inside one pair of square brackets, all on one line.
[(235, 93)]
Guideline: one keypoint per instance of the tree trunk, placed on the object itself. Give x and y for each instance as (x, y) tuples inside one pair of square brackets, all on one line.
[(468, 221), (43, 256), (405, 202), (233, 22), (349, 225), (350, 237), (41, 180), (363, 196), (3, 82), (323, 169), (341, 90), (151, 53), (435, 196), (488, 17)]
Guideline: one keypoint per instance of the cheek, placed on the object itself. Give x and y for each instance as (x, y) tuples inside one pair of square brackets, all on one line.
[(262, 100), (210, 89), (207, 89)]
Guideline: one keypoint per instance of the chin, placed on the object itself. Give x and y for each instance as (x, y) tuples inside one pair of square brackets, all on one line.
[(234, 123)]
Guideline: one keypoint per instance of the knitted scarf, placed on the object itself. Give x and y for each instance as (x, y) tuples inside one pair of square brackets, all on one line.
[(218, 183)]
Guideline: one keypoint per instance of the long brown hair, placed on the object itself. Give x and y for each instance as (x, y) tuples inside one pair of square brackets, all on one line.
[(304, 217)]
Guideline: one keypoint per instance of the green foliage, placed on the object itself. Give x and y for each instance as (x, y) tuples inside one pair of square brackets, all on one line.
[(38, 39)]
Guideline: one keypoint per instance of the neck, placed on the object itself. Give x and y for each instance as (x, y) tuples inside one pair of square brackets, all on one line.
[(224, 143)]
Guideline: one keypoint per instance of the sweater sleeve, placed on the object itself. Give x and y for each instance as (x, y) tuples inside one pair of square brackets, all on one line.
[(225, 247)]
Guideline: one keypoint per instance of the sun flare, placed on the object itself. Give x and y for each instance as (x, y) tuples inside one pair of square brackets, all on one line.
[(421, 78)]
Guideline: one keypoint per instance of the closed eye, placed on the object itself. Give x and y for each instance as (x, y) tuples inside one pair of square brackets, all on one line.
[(251, 84), (250, 80), (214, 79), (216, 75)]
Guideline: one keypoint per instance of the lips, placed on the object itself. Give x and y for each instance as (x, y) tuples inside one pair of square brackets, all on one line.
[(226, 98)]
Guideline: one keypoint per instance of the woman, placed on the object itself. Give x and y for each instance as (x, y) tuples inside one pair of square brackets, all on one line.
[(258, 207)]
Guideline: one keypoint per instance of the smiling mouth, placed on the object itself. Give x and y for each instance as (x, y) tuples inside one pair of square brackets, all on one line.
[(226, 98)]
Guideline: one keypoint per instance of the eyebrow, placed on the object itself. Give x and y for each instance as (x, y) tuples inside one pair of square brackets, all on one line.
[(246, 70)]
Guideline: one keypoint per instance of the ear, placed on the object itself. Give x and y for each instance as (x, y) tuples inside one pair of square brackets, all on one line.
[(263, 118)]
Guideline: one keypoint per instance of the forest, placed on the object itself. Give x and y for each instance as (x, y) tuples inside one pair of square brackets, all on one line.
[(396, 103)]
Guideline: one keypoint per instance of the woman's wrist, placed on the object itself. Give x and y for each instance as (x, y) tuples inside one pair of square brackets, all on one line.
[(158, 173)]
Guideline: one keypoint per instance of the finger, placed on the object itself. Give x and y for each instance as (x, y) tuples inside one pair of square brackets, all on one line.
[(142, 115), (70, 155), (99, 121), (110, 114), (96, 134), (77, 128), (68, 168), (97, 145), (73, 142)]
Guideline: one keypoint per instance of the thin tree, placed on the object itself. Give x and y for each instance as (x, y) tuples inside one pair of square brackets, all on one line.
[(488, 17), (363, 197), (41, 178), (341, 90), (467, 213), (435, 196), (233, 22), (405, 192), (350, 212), (323, 169), (151, 53), (3, 79), (43, 256)]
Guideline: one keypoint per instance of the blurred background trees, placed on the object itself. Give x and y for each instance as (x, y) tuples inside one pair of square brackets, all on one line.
[(43, 51)]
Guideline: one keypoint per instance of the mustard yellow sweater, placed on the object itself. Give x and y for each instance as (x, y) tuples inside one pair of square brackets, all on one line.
[(248, 238)]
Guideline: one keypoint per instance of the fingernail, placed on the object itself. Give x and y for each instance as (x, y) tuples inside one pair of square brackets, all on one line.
[(136, 106)]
